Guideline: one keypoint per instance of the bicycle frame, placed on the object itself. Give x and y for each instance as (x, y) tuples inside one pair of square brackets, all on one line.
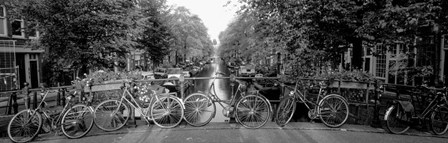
[(426, 112), (431, 106), (215, 98), (297, 94), (136, 105), (48, 119)]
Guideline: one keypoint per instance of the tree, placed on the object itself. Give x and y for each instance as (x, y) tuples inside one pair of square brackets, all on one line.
[(330, 26), (156, 36), (83, 34), (190, 34)]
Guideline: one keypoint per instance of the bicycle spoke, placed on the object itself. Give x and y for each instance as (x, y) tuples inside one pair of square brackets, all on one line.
[(244, 107)]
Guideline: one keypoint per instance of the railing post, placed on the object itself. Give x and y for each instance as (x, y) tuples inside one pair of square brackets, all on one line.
[(63, 96), (26, 92), (376, 123), (397, 91), (181, 80), (35, 100), (133, 122), (15, 106), (10, 103), (58, 98)]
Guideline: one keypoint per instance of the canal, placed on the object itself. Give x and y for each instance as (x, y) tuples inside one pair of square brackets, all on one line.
[(222, 86)]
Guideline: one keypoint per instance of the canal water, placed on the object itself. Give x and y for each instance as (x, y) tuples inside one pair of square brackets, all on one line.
[(222, 86)]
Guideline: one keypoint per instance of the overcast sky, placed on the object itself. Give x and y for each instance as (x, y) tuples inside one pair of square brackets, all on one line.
[(215, 15)]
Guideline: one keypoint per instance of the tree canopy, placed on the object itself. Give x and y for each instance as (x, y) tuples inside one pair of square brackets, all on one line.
[(328, 26), (191, 37), (95, 34)]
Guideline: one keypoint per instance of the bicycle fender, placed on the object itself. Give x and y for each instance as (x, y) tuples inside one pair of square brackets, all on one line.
[(388, 111), (335, 95), (181, 101)]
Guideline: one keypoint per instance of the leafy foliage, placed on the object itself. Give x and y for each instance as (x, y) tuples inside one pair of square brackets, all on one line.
[(315, 33), (83, 33), (101, 76), (190, 34), (87, 35), (156, 36)]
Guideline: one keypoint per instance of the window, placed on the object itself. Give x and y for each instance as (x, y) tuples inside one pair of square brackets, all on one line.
[(368, 51), (33, 56), (381, 61), (3, 21), (393, 51), (32, 30), (392, 72), (367, 65), (17, 27), (445, 41)]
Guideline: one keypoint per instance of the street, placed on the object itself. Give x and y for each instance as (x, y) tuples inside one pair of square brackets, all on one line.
[(303, 132)]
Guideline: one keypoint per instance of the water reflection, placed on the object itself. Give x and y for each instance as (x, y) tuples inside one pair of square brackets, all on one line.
[(222, 86)]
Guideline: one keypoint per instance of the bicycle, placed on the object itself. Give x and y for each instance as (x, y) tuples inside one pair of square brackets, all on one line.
[(401, 115), (164, 109), (28, 123), (332, 109), (251, 110), (77, 112)]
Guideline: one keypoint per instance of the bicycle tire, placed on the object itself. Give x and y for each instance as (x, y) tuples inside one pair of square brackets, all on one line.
[(252, 111), (17, 118), (391, 119), (338, 115), (107, 122), (78, 117), (167, 112), (285, 111), (439, 121), (199, 109)]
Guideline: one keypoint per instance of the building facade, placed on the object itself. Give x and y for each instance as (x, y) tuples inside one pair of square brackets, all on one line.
[(407, 63), (18, 63)]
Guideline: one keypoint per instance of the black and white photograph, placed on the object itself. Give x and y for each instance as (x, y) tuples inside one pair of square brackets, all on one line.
[(224, 71)]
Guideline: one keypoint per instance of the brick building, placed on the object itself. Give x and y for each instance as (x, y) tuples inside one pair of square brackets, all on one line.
[(18, 63)]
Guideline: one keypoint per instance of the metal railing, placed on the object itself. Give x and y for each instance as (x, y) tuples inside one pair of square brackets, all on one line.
[(30, 98)]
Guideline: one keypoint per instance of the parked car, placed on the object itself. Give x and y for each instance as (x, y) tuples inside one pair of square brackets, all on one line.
[(248, 70), (149, 75), (160, 73), (174, 72), (259, 75), (186, 73)]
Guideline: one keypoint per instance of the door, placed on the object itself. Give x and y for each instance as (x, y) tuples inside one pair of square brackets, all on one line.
[(34, 74)]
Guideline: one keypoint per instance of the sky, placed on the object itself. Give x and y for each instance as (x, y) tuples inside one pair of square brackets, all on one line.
[(215, 15)]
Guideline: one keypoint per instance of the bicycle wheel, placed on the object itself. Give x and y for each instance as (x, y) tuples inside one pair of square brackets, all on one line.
[(252, 111), (394, 123), (111, 115), (77, 121), (24, 126), (167, 112), (333, 110), (199, 109), (439, 121), (285, 110)]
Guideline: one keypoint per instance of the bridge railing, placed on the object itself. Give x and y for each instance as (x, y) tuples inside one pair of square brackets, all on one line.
[(27, 98), (365, 97)]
